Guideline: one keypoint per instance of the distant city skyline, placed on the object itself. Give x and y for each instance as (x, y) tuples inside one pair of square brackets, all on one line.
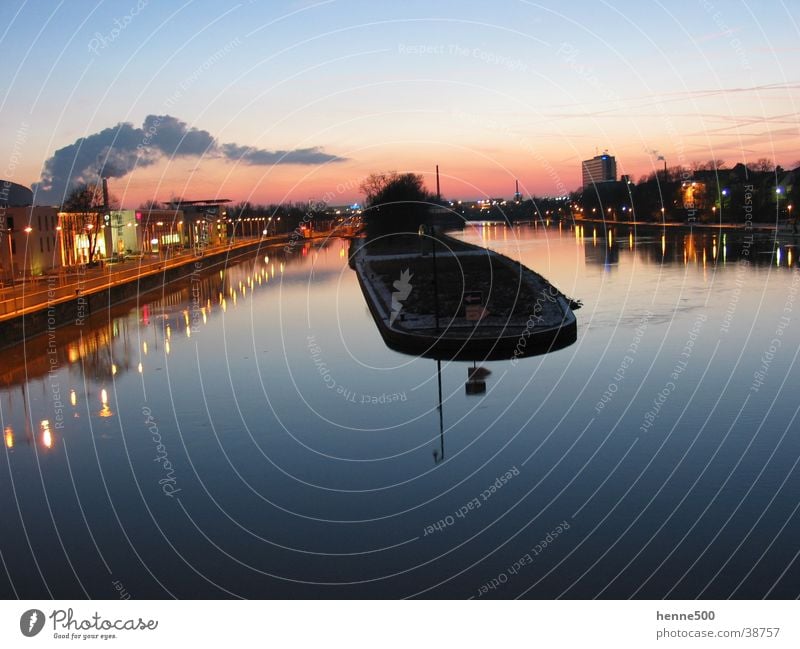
[(287, 101)]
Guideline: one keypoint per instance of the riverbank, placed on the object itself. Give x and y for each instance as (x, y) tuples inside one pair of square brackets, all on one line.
[(59, 300), (784, 228)]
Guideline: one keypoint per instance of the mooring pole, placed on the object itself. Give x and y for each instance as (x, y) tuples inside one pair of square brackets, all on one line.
[(435, 280), (435, 273)]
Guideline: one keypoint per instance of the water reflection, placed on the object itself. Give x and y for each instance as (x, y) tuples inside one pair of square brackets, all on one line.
[(107, 345), (47, 434), (438, 454), (476, 380), (94, 357), (105, 410), (700, 247), (290, 487), (140, 338), (474, 386)]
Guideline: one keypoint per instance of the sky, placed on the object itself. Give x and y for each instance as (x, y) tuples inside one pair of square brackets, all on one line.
[(276, 101)]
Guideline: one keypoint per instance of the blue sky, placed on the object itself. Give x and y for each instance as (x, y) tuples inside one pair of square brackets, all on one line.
[(491, 91)]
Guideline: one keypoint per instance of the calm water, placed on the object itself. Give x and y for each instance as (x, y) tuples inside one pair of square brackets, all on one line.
[(250, 435)]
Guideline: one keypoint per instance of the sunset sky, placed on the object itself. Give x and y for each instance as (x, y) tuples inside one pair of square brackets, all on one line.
[(296, 100)]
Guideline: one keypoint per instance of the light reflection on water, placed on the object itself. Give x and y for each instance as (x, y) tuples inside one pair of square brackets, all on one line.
[(304, 458)]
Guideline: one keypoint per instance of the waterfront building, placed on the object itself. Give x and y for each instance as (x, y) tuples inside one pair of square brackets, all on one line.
[(152, 230), (31, 241), (206, 221), (80, 233), (600, 169), (14, 195), (121, 233)]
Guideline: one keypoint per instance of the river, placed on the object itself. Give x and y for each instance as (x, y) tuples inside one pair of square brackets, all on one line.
[(249, 434)]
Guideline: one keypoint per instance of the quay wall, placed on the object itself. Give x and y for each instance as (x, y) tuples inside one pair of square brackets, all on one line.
[(69, 310)]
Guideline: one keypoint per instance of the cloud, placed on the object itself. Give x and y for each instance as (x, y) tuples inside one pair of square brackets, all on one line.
[(253, 156), (173, 138), (85, 158), (115, 152)]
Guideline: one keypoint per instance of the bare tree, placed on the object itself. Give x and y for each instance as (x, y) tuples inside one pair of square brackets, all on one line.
[(763, 165), (395, 202), (375, 183), (381, 188), (150, 205), (84, 205), (676, 173), (243, 209), (709, 165)]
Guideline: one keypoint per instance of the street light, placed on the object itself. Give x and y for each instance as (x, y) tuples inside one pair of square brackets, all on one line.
[(28, 230)]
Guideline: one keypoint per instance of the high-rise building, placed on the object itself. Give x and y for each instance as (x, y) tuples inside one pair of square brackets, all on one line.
[(600, 169)]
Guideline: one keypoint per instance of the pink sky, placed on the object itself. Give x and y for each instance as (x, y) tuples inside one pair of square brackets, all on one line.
[(525, 92)]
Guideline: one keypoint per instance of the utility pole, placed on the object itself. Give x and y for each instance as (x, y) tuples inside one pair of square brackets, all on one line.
[(433, 250), (435, 281)]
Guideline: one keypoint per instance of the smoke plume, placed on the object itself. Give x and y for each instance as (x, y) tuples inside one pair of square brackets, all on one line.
[(115, 152)]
